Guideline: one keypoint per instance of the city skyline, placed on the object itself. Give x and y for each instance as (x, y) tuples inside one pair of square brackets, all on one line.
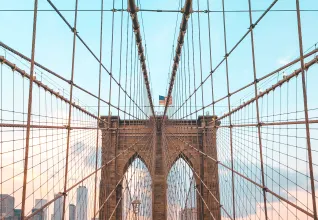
[(7, 207)]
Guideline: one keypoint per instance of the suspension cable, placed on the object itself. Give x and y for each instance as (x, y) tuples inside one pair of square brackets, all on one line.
[(133, 9), (187, 10)]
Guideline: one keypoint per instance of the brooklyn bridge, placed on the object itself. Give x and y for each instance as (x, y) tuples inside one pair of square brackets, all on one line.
[(143, 109)]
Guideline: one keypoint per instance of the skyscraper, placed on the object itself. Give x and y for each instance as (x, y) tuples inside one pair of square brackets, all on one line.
[(58, 208), (72, 212), (17, 214), (39, 215), (6, 206), (38, 204), (81, 203)]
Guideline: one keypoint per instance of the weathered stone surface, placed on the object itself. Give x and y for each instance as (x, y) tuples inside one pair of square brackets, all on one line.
[(169, 142)]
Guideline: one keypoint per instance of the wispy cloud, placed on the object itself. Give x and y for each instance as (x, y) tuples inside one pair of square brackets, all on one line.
[(283, 60)]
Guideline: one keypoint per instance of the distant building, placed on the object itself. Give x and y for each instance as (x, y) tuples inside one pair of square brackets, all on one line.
[(72, 212), (81, 203), (39, 215), (58, 208), (17, 214), (38, 204), (6, 206), (188, 214)]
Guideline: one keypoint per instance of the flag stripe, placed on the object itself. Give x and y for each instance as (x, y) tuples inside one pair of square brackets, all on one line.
[(163, 100)]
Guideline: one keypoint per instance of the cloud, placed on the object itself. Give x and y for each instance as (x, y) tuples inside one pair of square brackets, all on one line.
[(249, 197), (283, 60), (280, 210)]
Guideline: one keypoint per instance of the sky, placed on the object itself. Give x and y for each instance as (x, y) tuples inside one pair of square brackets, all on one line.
[(276, 43)]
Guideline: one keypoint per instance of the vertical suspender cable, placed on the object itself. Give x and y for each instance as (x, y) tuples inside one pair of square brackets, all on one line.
[(27, 140), (70, 110), (99, 92), (310, 163)]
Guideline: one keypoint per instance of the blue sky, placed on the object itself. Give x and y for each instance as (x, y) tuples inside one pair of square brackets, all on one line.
[(275, 40)]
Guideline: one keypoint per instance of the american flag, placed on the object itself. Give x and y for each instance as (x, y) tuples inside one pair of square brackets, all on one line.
[(163, 100)]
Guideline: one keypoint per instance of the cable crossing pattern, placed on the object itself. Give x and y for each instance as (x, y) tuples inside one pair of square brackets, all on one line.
[(82, 136)]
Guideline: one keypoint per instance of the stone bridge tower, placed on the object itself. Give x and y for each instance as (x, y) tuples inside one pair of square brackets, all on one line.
[(170, 139)]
